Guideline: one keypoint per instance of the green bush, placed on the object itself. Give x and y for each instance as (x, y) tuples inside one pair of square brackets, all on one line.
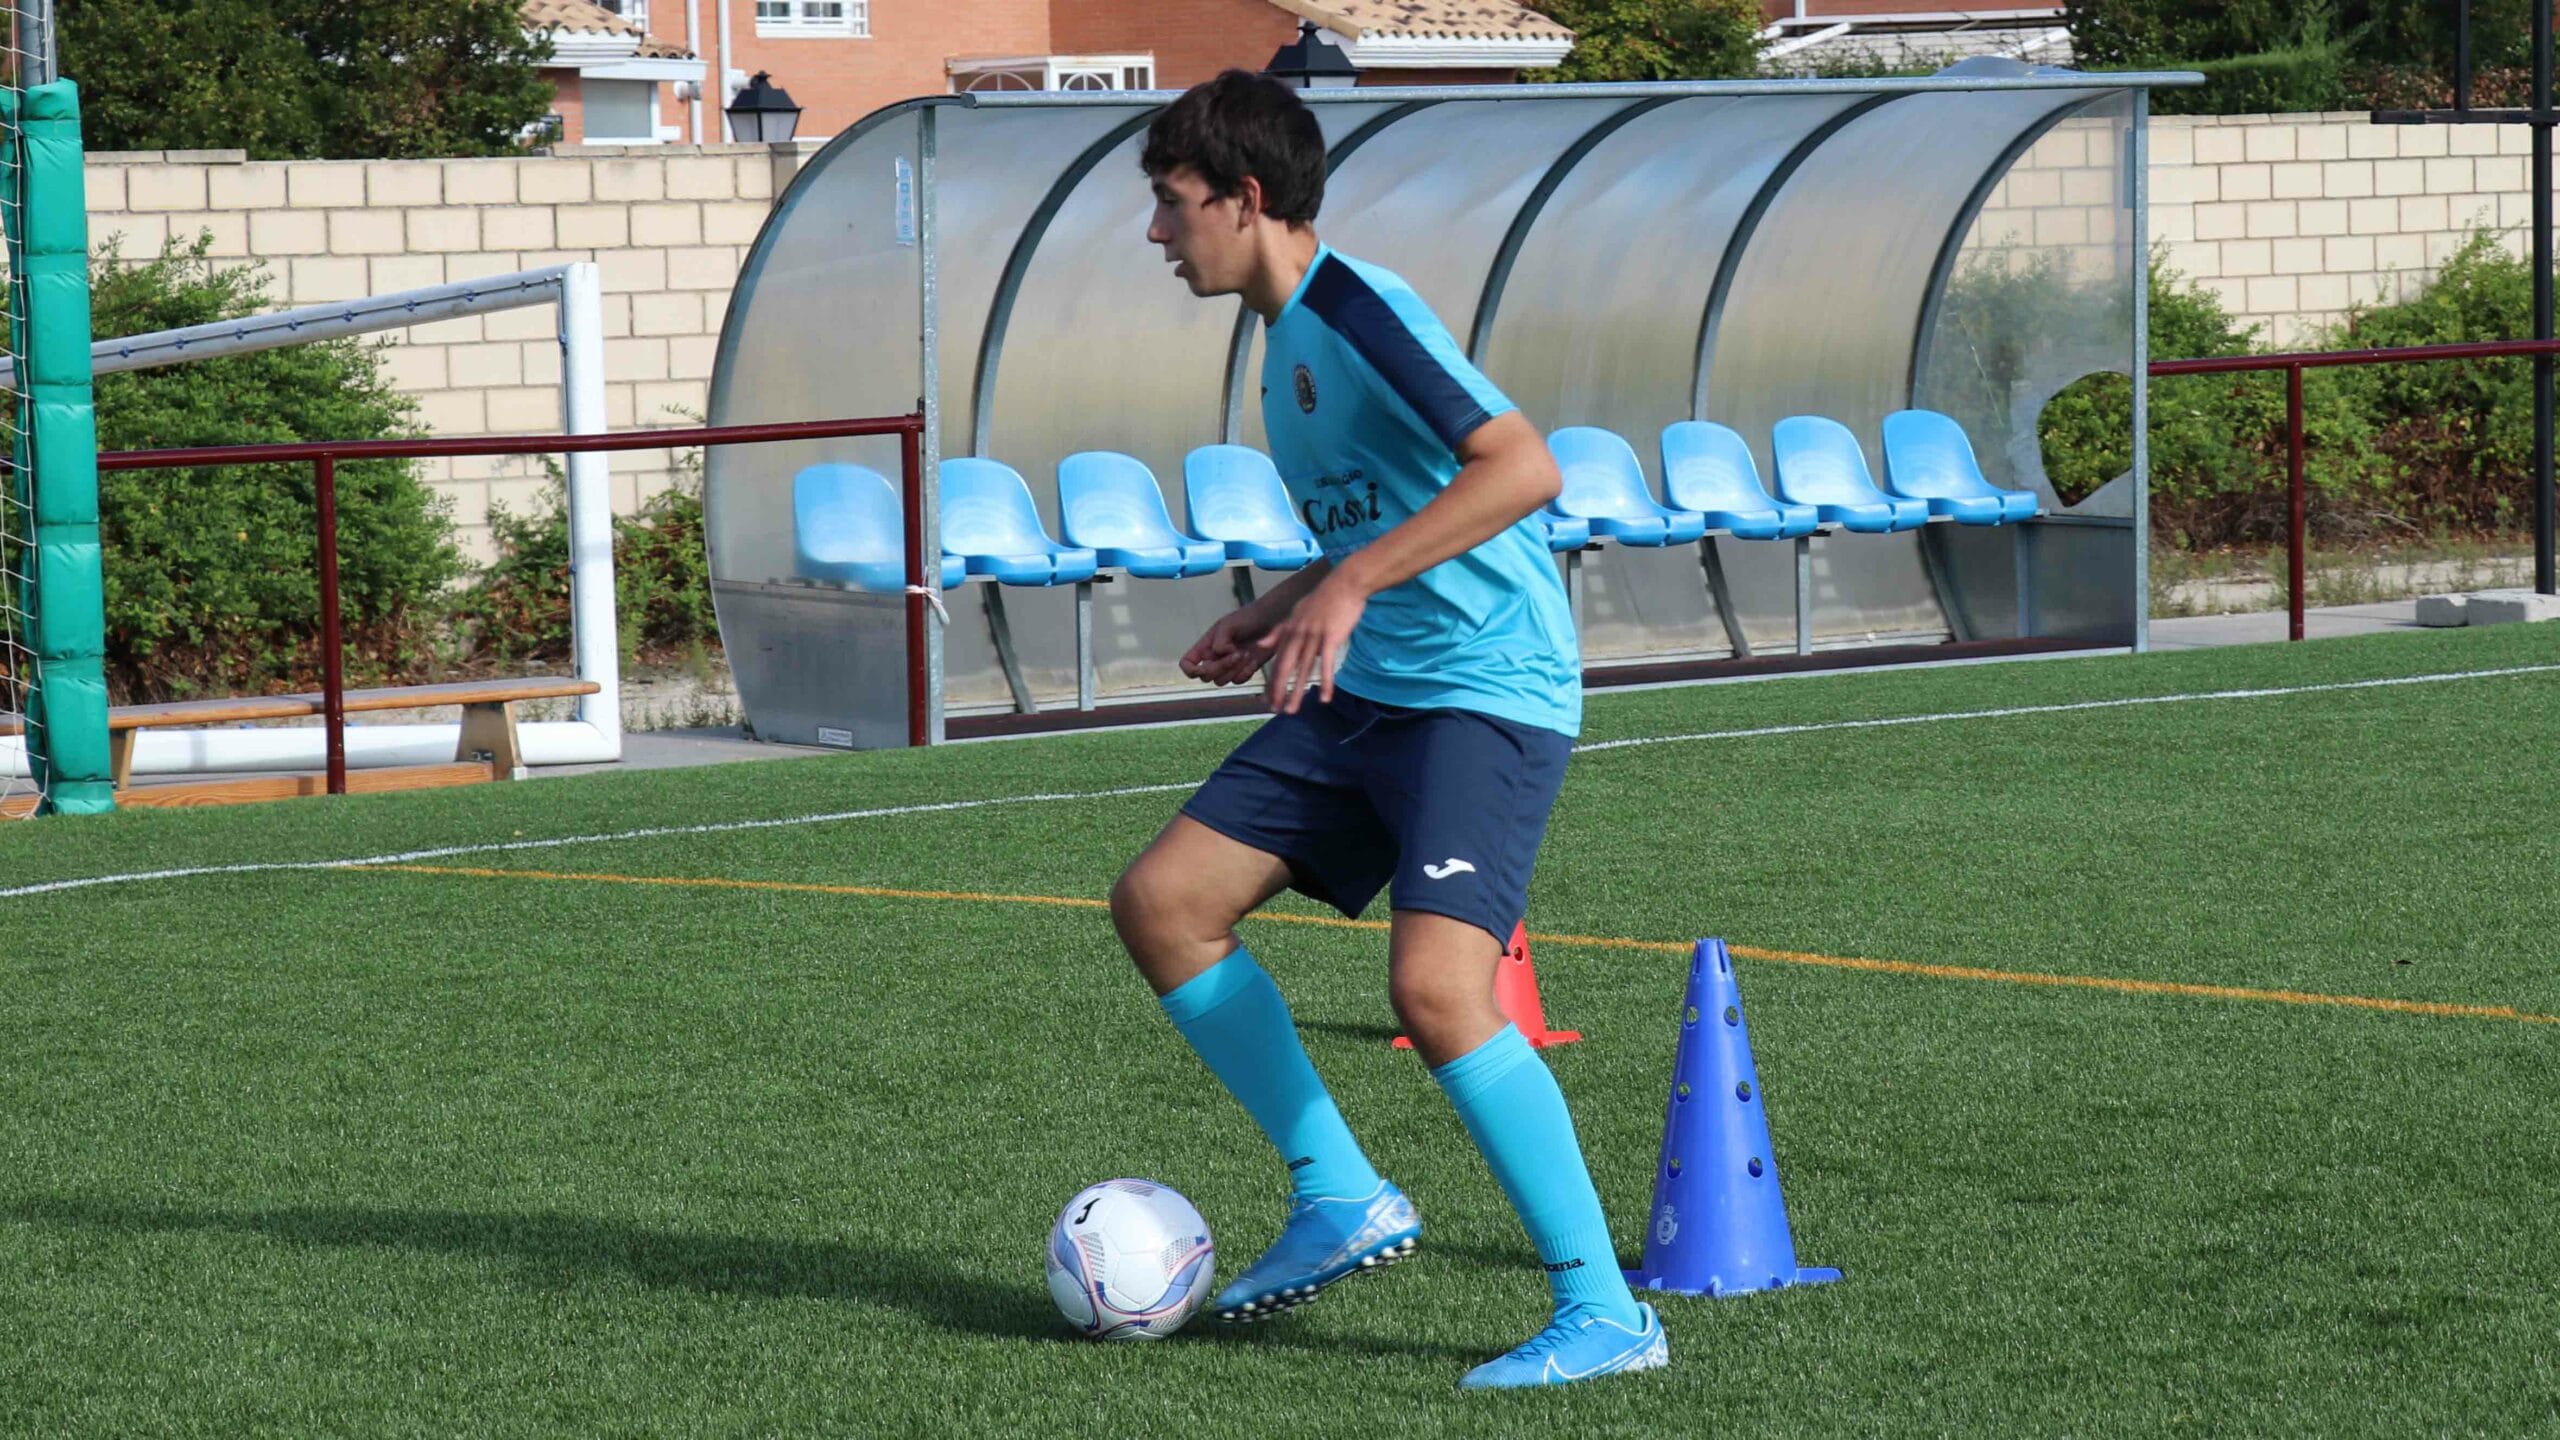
[(2458, 435), (2218, 469), (518, 609), (2271, 82), (2435, 449), (2139, 34), (212, 579), (2217, 442)]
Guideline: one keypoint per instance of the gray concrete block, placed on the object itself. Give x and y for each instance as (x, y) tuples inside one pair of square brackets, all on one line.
[(2509, 607), (2444, 611)]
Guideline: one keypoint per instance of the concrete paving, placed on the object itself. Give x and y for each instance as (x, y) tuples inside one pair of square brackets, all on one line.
[(704, 745), (2267, 627)]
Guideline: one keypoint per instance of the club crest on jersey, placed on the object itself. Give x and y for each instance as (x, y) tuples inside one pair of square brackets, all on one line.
[(1306, 389)]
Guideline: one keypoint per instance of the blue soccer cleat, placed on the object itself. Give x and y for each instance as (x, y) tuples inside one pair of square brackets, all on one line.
[(1324, 1241), (1578, 1346)]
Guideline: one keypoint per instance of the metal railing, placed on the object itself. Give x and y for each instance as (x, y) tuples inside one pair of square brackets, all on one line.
[(2293, 364), (324, 455)]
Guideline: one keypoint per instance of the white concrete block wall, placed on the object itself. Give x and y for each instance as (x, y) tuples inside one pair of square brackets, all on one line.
[(2293, 220), (669, 228)]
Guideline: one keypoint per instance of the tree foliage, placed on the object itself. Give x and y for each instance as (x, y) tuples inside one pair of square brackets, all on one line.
[(2306, 54), (305, 79), (1658, 39)]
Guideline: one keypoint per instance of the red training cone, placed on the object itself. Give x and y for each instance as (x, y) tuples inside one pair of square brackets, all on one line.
[(1515, 989)]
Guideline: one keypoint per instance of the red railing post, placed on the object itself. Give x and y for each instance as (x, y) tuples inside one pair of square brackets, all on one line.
[(911, 484), (333, 678), (2295, 527), (2294, 363)]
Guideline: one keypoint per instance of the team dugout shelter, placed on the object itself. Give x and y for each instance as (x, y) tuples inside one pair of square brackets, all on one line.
[(1791, 340)]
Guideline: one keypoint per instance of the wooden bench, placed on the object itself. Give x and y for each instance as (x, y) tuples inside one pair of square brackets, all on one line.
[(487, 748)]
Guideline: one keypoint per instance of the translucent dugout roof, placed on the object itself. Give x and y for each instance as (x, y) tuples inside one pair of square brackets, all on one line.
[(1616, 255)]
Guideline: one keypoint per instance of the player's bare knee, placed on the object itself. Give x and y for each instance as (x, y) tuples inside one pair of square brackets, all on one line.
[(1156, 909), (1138, 904), (1428, 1004)]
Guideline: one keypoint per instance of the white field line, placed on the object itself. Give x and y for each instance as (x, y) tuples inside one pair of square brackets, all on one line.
[(1767, 730), (405, 857), (721, 827)]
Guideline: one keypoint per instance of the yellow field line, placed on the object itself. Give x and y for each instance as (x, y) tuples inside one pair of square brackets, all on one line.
[(1597, 942)]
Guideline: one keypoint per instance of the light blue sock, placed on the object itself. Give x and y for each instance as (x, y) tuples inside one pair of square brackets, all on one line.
[(1511, 1105), (1235, 1019)]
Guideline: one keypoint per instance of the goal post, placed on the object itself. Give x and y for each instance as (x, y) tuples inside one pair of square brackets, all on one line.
[(55, 612)]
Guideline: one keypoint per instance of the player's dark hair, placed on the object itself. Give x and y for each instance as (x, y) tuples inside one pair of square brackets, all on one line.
[(1238, 125)]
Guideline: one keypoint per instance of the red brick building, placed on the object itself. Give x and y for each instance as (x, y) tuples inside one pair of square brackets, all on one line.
[(610, 77), (842, 59)]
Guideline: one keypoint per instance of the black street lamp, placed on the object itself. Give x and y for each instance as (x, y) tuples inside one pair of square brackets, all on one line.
[(763, 113), (1308, 63)]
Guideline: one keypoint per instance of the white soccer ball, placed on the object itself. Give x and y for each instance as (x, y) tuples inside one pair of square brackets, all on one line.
[(1129, 1260)]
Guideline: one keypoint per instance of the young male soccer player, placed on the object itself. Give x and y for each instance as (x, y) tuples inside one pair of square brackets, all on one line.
[(1427, 688)]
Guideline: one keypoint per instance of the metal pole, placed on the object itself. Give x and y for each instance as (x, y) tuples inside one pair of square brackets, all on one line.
[(333, 677), (911, 494), (693, 43), (32, 36), (2462, 55), (929, 400), (281, 328), (1804, 594), (595, 639), (2294, 526), (2542, 319), (2138, 261)]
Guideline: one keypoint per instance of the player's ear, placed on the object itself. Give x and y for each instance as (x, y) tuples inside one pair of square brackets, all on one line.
[(1248, 201)]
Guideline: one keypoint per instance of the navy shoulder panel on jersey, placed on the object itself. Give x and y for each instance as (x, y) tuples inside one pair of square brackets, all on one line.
[(1354, 309)]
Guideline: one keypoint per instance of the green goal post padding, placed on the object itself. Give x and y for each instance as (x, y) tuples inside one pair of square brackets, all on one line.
[(57, 448)]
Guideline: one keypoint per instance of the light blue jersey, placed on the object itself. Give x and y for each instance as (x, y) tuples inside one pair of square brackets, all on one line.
[(1365, 399)]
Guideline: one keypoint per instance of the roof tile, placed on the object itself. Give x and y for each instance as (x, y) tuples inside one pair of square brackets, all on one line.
[(1429, 19)]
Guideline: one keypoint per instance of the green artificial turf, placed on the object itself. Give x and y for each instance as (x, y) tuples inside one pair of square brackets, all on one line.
[(382, 1152)]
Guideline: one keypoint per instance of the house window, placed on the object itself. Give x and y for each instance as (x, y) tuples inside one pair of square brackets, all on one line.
[(621, 112), (788, 18), (984, 80), (1053, 72), (635, 11)]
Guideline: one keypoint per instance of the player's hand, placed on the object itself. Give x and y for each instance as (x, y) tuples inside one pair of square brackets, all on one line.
[(1231, 652), (1308, 647)]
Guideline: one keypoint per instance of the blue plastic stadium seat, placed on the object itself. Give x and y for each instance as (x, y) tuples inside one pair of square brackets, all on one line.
[(1604, 484), (1708, 468), (846, 526), (1110, 504), (1234, 497), (989, 521), (1927, 457), (1818, 463), (1563, 532)]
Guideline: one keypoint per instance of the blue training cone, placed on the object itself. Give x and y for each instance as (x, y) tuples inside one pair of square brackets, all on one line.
[(1718, 1226)]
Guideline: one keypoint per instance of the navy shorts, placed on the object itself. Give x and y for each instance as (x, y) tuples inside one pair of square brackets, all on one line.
[(1448, 805)]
